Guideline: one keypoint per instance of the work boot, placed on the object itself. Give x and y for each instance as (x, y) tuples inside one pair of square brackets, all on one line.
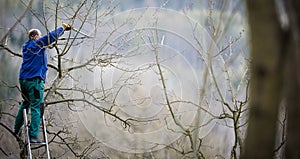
[(35, 139)]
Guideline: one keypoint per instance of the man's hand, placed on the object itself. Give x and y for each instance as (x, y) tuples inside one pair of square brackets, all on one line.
[(67, 27)]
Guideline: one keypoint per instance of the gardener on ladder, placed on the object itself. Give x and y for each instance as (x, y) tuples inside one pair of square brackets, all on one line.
[(32, 78)]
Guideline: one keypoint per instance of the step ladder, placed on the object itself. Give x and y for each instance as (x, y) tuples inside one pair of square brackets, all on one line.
[(28, 147)]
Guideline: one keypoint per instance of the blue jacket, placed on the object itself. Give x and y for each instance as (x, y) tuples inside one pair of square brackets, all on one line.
[(34, 55)]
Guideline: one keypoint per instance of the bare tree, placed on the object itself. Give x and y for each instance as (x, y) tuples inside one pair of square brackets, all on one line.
[(97, 45), (85, 13), (233, 101)]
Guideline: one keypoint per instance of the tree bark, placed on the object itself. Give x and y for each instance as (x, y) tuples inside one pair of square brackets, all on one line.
[(266, 78), (292, 81)]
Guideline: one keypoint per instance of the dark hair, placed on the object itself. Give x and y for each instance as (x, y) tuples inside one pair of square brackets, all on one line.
[(32, 33)]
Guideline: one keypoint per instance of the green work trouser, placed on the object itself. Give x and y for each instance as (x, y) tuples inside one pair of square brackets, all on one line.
[(33, 97)]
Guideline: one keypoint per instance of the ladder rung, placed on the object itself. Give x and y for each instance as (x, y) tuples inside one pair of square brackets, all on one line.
[(43, 143)]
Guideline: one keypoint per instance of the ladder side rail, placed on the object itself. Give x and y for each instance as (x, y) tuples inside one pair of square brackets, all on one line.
[(45, 138), (27, 134)]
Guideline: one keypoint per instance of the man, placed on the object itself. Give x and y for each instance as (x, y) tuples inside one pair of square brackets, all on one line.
[(33, 76)]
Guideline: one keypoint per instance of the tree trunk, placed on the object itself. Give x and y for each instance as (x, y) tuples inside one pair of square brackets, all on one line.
[(292, 81), (266, 78)]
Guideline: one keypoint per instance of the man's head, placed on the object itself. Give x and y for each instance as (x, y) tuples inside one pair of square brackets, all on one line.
[(34, 34)]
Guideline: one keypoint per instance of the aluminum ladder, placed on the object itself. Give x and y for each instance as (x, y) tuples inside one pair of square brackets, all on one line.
[(29, 146)]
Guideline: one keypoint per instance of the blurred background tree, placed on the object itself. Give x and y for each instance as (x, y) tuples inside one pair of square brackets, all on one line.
[(274, 77)]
